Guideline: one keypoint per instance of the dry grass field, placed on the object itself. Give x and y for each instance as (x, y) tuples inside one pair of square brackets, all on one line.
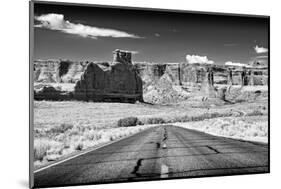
[(66, 127), (252, 128), (105, 115)]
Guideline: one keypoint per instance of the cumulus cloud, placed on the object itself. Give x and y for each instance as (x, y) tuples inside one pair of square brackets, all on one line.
[(192, 59), (134, 52), (260, 49), (157, 34), (57, 22), (229, 63)]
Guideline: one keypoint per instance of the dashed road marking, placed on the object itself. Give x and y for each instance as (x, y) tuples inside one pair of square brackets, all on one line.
[(164, 171)]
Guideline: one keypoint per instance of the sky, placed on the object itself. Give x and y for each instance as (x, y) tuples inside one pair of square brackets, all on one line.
[(84, 33)]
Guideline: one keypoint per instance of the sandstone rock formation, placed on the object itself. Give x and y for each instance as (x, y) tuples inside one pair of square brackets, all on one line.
[(207, 86), (125, 81), (47, 92), (164, 92), (47, 71), (116, 82), (57, 71)]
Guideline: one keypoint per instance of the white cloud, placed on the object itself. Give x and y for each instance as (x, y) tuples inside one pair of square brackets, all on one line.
[(133, 52), (229, 63), (260, 49), (57, 22), (192, 59), (157, 35)]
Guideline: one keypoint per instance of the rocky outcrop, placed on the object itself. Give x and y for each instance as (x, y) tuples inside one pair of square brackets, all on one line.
[(58, 71), (207, 86), (115, 82), (47, 92), (194, 74), (164, 92)]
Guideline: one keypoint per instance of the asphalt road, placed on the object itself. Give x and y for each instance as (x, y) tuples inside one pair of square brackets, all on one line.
[(160, 152)]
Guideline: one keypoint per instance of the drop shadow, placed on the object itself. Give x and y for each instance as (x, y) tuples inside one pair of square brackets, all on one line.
[(23, 183)]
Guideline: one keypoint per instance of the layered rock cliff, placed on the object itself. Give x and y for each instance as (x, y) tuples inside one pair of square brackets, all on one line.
[(116, 82), (125, 81)]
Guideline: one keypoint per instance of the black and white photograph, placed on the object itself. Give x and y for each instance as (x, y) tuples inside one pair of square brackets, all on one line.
[(123, 94)]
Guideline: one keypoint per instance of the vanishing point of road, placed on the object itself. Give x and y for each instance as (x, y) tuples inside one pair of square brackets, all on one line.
[(158, 152)]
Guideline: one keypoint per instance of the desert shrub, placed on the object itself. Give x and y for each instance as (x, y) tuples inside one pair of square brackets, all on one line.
[(258, 80), (111, 138), (240, 100), (155, 120), (198, 118), (139, 122), (203, 116), (40, 149), (255, 113), (128, 121), (61, 128), (44, 147), (63, 67), (93, 135), (215, 114), (180, 119), (206, 116), (78, 146)]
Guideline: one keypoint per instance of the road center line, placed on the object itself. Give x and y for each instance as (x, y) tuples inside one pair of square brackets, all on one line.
[(164, 171)]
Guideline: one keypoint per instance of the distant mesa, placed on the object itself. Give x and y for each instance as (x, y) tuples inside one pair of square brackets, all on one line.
[(123, 80)]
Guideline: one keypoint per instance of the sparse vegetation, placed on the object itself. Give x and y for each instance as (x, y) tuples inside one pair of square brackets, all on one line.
[(255, 113), (201, 117), (239, 127), (79, 146), (61, 128), (128, 121), (155, 120), (44, 147), (55, 142), (40, 149)]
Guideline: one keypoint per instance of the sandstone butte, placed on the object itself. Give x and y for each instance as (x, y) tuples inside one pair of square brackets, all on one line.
[(118, 81)]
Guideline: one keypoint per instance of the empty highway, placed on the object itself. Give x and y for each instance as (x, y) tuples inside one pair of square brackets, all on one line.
[(159, 152)]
